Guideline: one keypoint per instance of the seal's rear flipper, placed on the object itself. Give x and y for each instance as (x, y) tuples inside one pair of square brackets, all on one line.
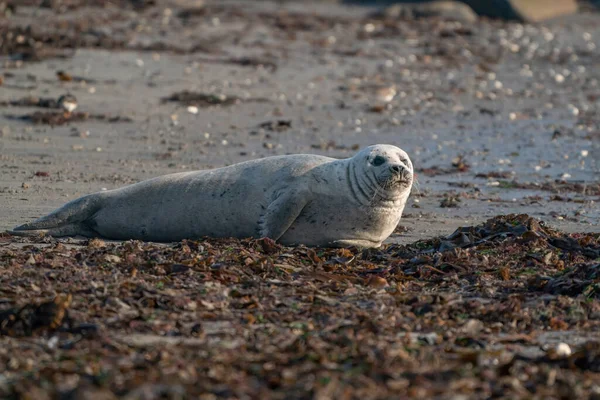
[(64, 230), (68, 220)]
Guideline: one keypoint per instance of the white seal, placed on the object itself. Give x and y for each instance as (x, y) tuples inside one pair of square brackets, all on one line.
[(294, 199)]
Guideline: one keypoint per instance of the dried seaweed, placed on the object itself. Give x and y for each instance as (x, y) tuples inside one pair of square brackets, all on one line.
[(464, 313)]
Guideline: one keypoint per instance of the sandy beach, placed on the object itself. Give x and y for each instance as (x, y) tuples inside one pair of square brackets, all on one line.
[(499, 118)]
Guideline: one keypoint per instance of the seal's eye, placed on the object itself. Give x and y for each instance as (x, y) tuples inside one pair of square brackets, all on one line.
[(377, 161), (404, 161)]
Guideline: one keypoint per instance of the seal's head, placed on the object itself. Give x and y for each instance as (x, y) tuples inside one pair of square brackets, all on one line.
[(387, 165)]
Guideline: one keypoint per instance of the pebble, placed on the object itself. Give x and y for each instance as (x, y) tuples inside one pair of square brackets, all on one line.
[(573, 110), (563, 350), (192, 109), (52, 342), (111, 258)]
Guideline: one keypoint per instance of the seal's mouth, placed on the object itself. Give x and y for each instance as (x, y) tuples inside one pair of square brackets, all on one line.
[(396, 181)]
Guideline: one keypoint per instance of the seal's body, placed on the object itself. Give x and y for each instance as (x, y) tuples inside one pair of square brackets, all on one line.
[(295, 199)]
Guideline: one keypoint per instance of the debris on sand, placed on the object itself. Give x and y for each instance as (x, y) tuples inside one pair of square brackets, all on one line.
[(450, 10), (556, 186), (458, 165), (266, 63), (201, 100), (450, 202), (583, 279), (204, 100), (33, 101), (19, 43), (57, 118), (279, 125), (499, 302), (31, 318)]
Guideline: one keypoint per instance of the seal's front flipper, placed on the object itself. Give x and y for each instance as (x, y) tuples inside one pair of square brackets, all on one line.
[(281, 214)]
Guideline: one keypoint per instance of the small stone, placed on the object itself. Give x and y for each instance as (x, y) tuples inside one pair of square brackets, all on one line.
[(52, 342), (573, 110), (111, 258), (472, 327), (192, 110), (563, 350)]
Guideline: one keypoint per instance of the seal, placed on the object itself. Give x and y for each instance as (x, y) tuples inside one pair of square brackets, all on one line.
[(293, 199)]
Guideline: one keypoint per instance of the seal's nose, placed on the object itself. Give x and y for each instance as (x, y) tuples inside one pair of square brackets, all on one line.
[(396, 169)]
